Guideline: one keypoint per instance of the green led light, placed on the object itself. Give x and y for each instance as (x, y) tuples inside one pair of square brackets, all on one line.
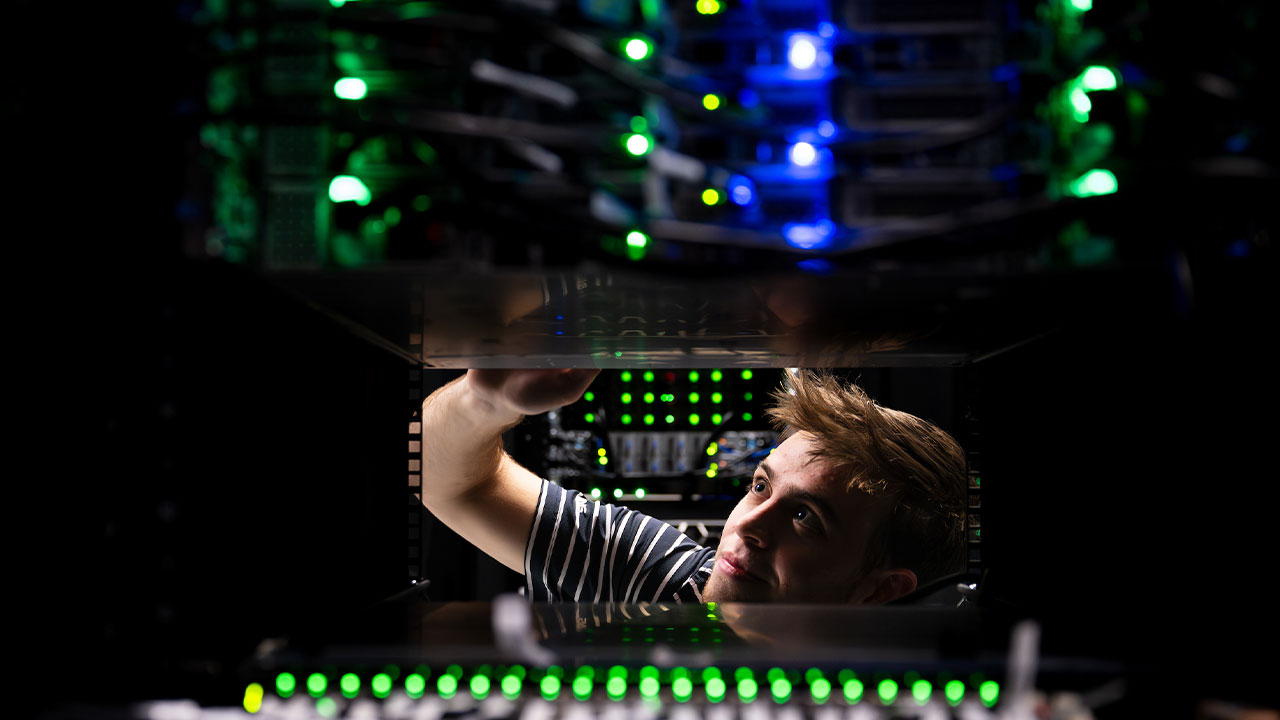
[(955, 692), (710, 196), (326, 707), (617, 492), (694, 419), (716, 376), (350, 88), (317, 684), (649, 687), (415, 685), (853, 690), (595, 493), (480, 687), (1082, 5), (717, 398), (626, 419), (550, 687), (648, 376), (286, 683), (774, 674), (381, 685), (392, 216), (781, 688), (589, 396), (989, 692), (637, 145), (649, 397), (820, 688), (887, 690), (746, 396), (708, 7), (589, 417), (711, 101), (693, 376), (742, 672), (711, 672), (921, 690), (616, 687), (648, 419), (715, 689), (746, 374), (717, 418), (1080, 103), (1097, 77), (253, 698), (626, 376), (746, 417), (668, 397), (510, 687), (747, 689), (350, 685), (637, 48), (670, 419), (348, 188), (640, 493), (447, 685), (682, 689), (1094, 182), (601, 452), (626, 398), (713, 448), (694, 397), (639, 124), (711, 471), (422, 203), (582, 687)]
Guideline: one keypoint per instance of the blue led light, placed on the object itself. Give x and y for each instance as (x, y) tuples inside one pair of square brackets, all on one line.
[(826, 128), (802, 51), (826, 29), (740, 191), (802, 154), (809, 236)]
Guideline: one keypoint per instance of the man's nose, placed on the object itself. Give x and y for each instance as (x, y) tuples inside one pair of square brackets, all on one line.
[(756, 526)]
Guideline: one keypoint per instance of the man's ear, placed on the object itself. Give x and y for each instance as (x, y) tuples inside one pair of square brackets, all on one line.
[(885, 586)]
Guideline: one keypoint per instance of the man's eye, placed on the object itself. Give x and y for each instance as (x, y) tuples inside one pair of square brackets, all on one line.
[(757, 486)]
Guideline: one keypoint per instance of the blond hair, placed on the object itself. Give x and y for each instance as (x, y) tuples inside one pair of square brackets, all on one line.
[(885, 451)]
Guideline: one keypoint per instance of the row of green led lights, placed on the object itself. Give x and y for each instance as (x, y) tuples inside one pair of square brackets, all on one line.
[(651, 419), (1095, 78), (694, 375), (582, 686)]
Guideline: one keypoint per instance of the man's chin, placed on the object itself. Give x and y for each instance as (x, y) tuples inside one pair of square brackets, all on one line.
[(721, 589)]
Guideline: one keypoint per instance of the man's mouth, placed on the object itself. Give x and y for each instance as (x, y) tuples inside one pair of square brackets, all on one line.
[(736, 567)]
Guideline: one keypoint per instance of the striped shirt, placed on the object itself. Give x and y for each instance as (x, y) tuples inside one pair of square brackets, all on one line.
[(580, 550)]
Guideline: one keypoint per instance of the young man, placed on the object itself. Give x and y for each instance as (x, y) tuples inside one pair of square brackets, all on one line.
[(858, 504)]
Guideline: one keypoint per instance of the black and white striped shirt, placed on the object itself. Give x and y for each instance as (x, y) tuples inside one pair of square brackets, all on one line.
[(580, 550)]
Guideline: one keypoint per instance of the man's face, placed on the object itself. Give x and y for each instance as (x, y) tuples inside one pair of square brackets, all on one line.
[(797, 536)]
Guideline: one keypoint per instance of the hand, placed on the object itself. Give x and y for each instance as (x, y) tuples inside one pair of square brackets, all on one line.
[(529, 392)]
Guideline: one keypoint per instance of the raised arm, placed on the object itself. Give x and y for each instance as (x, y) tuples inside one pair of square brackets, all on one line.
[(468, 482)]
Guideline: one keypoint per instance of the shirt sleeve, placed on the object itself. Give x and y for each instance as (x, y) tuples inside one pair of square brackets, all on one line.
[(580, 550)]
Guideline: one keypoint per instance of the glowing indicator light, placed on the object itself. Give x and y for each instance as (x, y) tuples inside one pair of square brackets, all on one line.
[(589, 396), (626, 419), (989, 692), (648, 376), (740, 191), (350, 88), (826, 128), (1080, 102), (781, 688), (954, 691), (710, 196), (640, 493), (746, 375), (415, 685), (1094, 182), (715, 689), (648, 419), (694, 419), (853, 690), (802, 154), (1097, 77), (717, 418), (550, 687), (326, 707), (447, 685), (716, 376), (803, 53), (253, 698), (682, 688), (649, 686), (350, 685), (747, 689), (711, 101), (746, 417), (589, 417), (1082, 5), (670, 419), (820, 688), (595, 493), (668, 397), (708, 7), (511, 687), (601, 452), (637, 48), (648, 397), (286, 683), (637, 144), (694, 397), (626, 398), (617, 492), (317, 684), (348, 188), (693, 376), (638, 124), (626, 374), (381, 685), (712, 449), (921, 690), (582, 687), (616, 687), (887, 690)]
